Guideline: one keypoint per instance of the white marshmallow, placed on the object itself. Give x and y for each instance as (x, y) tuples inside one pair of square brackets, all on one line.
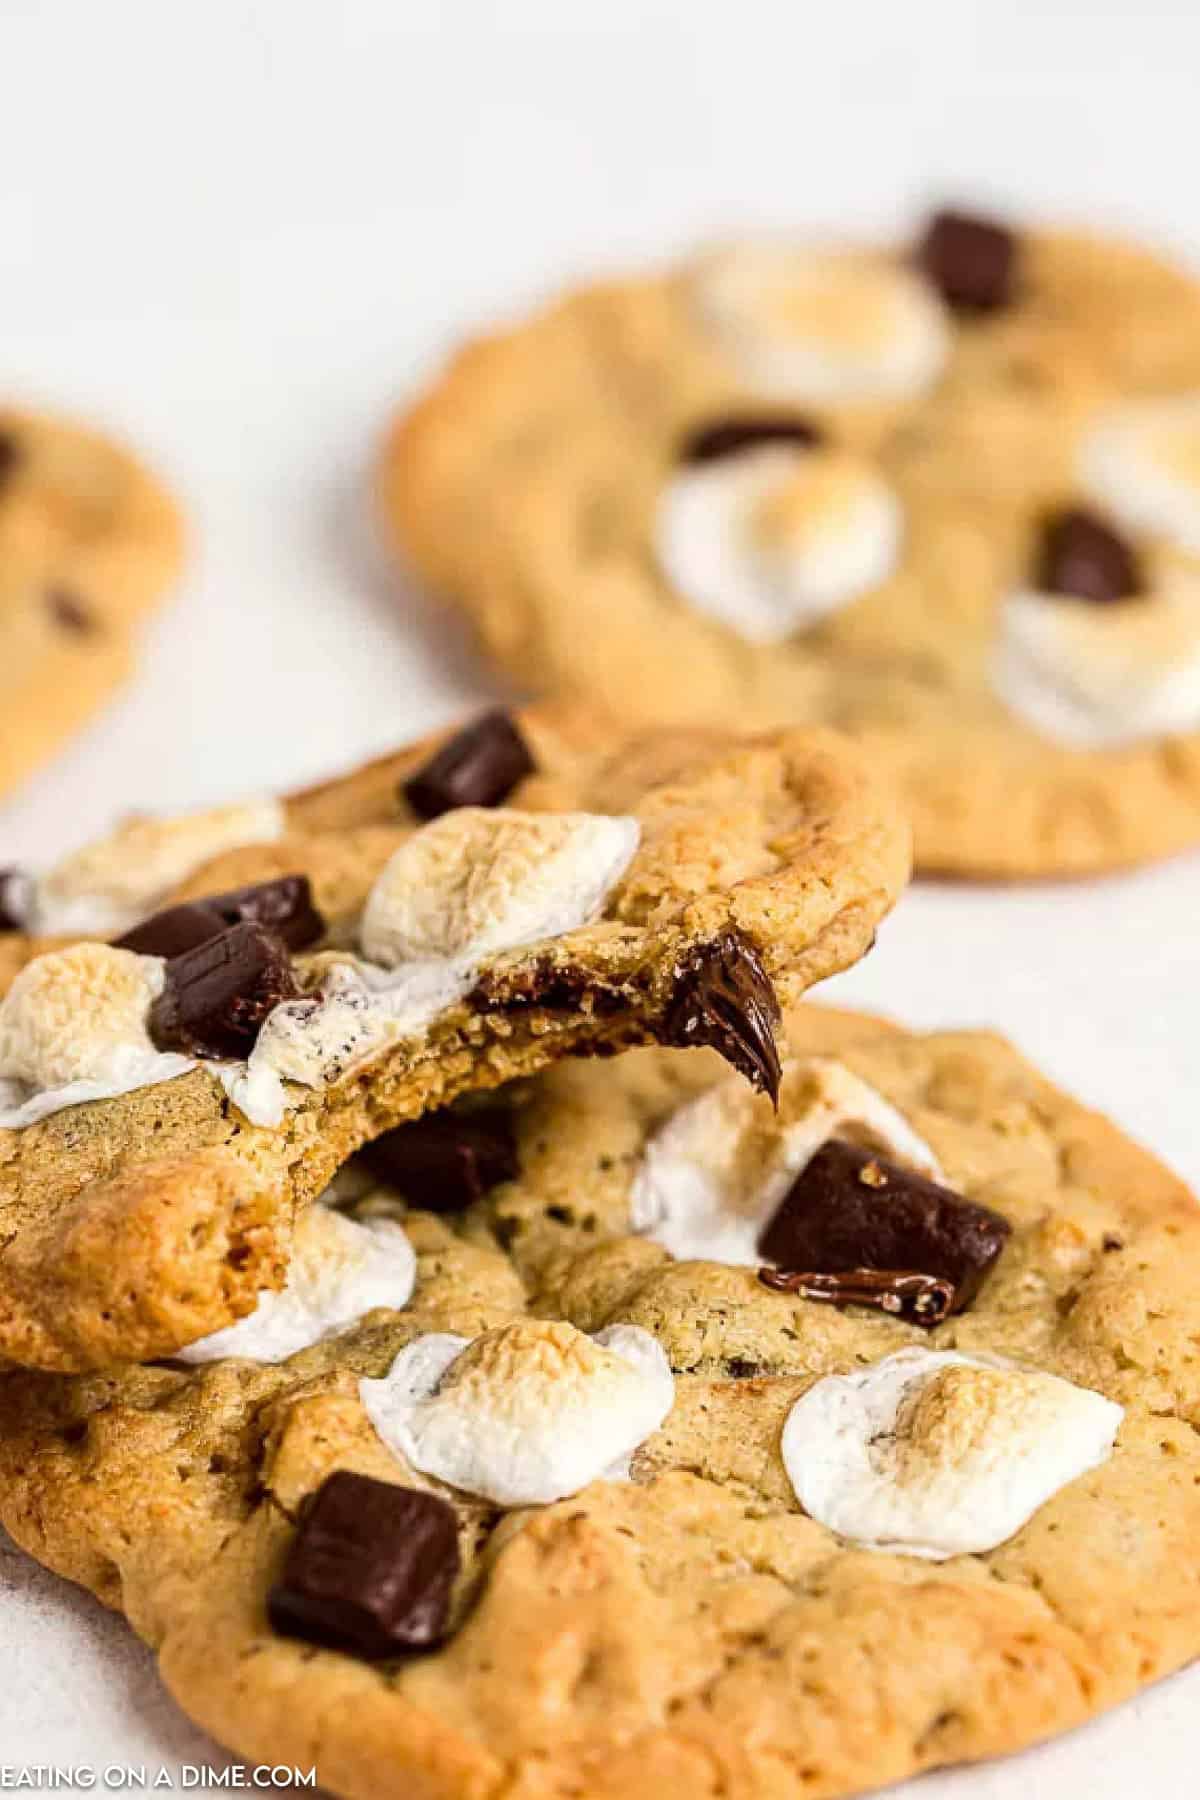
[(714, 1173), (524, 1414), (1090, 676), (933, 1454), (339, 1271), (107, 887), (73, 1028), (822, 324), (771, 539), (1142, 464), (482, 880)]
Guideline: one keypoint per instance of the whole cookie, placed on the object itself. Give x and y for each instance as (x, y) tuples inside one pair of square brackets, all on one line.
[(946, 496), (89, 541), (280, 982), (753, 1599)]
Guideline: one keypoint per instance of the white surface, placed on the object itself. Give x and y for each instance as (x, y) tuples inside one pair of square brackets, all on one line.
[(240, 231)]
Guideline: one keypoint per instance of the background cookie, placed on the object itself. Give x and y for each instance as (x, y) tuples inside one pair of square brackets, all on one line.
[(790, 482), (693, 1627), (88, 543)]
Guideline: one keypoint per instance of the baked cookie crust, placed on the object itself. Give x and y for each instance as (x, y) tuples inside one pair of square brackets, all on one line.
[(690, 1631), (89, 542), (132, 1225), (525, 487)]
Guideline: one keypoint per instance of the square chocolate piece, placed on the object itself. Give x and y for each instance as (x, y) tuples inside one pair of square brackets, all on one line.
[(370, 1570), (850, 1208)]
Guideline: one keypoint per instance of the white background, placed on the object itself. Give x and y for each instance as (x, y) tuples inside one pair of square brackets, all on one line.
[(241, 232)]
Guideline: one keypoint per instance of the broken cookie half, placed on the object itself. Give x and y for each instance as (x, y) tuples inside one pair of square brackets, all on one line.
[(199, 1049)]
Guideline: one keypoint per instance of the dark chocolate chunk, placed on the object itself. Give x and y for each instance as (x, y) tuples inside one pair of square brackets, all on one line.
[(284, 906), (725, 437), (1084, 558), (217, 995), (174, 930), (971, 261), (10, 455), (69, 611), (850, 1209), (917, 1299), (724, 998), (370, 1570), (445, 1161), (479, 766), (15, 888)]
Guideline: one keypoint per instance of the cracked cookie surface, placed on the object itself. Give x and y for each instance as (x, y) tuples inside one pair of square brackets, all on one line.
[(132, 1225), (691, 1631), (547, 485), (89, 541)]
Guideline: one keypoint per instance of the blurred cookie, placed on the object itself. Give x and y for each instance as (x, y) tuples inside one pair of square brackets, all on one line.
[(946, 496)]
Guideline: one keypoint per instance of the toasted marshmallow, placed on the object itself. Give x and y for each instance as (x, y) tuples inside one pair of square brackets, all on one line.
[(481, 880), (524, 1414), (318, 1040), (108, 886), (821, 324), (339, 1272), (1091, 676), (769, 540), (1142, 464), (713, 1175), (73, 1027), (933, 1454)]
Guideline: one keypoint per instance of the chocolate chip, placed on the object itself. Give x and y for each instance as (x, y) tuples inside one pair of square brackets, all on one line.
[(724, 998), (284, 906), (446, 1160), (479, 766), (217, 995), (1084, 558), (370, 1570), (1112, 1242), (10, 455), (850, 1210), (172, 931), (15, 888), (69, 611), (971, 261), (725, 437), (917, 1299)]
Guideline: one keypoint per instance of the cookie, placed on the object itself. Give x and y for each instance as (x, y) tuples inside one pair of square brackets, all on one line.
[(397, 1556), (170, 1097), (89, 541), (945, 496)]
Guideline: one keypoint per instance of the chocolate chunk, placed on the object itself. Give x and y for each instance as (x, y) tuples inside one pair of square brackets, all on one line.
[(370, 1570), (284, 906), (917, 1299), (480, 766), (850, 1210), (972, 262), (15, 888), (724, 998), (446, 1160), (1084, 558), (217, 995), (174, 930), (69, 611), (725, 437), (10, 455)]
